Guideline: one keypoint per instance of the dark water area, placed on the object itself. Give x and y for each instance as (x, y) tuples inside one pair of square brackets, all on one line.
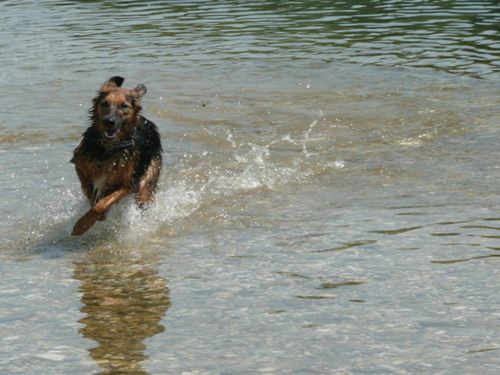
[(459, 37), (329, 202)]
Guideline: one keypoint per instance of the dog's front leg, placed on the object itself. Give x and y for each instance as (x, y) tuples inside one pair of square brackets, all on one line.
[(98, 211), (148, 182)]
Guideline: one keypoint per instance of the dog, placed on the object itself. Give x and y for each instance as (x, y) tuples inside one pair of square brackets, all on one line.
[(119, 154)]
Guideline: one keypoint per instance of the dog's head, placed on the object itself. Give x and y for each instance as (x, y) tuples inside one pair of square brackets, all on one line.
[(115, 112)]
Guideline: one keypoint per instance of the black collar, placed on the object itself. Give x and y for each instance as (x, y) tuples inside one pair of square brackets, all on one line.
[(123, 145)]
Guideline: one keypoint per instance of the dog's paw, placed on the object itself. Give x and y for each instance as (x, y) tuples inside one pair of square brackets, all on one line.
[(79, 229), (86, 222)]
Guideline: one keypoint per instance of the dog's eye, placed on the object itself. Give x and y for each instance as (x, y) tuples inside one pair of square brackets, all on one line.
[(125, 106), (105, 103)]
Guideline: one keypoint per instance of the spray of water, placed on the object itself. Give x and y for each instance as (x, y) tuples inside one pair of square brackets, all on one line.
[(193, 182)]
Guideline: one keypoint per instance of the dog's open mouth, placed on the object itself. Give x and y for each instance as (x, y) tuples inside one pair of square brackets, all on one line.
[(111, 133)]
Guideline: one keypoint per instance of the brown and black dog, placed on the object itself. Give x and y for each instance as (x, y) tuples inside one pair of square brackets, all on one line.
[(120, 152)]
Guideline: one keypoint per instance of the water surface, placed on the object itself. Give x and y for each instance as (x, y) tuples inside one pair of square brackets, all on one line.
[(329, 202)]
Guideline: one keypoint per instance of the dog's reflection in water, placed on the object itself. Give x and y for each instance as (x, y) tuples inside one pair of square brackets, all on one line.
[(124, 300)]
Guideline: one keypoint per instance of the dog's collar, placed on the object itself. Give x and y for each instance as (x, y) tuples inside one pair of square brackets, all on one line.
[(123, 145)]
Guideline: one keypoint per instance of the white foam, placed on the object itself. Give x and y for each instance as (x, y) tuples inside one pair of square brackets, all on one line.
[(415, 141), (127, 222)]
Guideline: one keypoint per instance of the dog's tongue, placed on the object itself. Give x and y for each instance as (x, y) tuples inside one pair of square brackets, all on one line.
[(110, 134)]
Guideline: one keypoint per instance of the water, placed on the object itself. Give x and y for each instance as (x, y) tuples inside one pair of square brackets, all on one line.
[(329, 202)]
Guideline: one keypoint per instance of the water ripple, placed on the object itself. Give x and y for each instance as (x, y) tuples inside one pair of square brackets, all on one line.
[(457, 37)]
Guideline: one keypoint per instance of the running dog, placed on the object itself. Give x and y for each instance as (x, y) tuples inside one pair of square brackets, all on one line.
[(120, 153)]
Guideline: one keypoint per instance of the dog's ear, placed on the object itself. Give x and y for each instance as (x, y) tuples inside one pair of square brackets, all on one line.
[(139, 91), (112, 83)]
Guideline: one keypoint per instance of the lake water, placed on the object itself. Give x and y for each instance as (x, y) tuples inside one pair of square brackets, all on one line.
[(329, 204)]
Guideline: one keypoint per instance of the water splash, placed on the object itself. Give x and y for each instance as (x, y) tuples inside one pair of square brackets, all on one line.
[(201, 180), (306, 138), (194, 182)]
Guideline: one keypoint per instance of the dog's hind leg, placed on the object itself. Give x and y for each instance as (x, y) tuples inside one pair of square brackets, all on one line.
[(98, 212)]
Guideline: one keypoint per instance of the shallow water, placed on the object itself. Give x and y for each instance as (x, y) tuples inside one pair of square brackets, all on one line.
[(329, 202)]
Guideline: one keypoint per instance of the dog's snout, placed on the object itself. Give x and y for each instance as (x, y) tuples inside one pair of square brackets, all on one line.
[(109, 121)]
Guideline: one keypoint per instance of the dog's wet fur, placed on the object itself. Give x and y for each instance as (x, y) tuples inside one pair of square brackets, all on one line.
[(119, 154)]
